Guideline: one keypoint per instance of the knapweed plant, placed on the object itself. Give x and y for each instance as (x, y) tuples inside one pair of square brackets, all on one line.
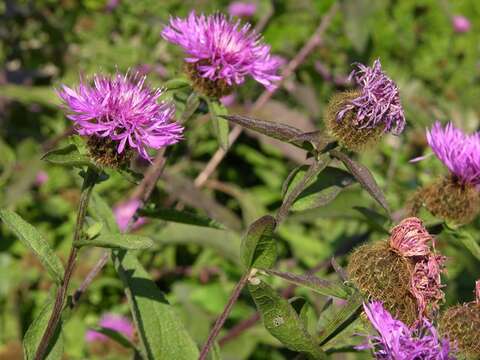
[(385, 299)]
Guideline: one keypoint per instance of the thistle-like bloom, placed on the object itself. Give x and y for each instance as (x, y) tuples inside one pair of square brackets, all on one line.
[(396, 341), (122, 109), (410, 238), (458, 151), (242, 9), (223, 50), (378, 103), (114, 322)]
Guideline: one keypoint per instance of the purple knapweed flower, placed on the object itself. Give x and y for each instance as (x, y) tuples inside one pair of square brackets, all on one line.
[(114, 322), (242, 9), (458, 151), (124, 213), (123, 109), (41, 178), (379, 101), (222, 49), (396, 341), (460, 24)]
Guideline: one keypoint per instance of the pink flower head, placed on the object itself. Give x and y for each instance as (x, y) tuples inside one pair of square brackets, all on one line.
[(223, 49), (114, 322), (125, 211), (41, 178), (460, 24), (396, 341), (124, 109), (458, 151), (379, 101), (410, 238), (242, 9), (426, 283)]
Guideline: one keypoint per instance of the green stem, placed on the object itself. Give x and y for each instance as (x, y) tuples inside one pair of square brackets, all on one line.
[(89, 181)]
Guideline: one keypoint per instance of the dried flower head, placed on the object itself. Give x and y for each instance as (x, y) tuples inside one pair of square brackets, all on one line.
[(114, 322), (221, 52), (461, 325), (120, 114), (378, 104), (410, 238), (458, 151), (396, 341)]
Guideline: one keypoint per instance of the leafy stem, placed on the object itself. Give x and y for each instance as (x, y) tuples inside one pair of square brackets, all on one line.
[(90, 178)]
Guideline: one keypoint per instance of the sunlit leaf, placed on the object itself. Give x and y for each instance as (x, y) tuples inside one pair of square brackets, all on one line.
[(118, 241), (258, 247)]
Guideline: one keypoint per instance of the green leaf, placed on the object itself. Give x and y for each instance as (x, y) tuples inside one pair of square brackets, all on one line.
[(101, 211), (321, 189), (341, 319), (220, 125), (35, 241), (115, 336), (162, 335), (467, 240), (191, 105), (7, 162), (182, 217), (364, 177), (324, 287), (35, 332), (69, 156), (281, 319), (118, 241), (258, 247), (178, 83), (130, 175)]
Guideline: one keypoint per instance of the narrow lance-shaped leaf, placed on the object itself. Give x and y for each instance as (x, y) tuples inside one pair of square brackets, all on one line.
[(282, 321), (69, 156), (115, 336), (258, 247), (324, 287), (35, 332), (118, 241), (35, 241), (161, 333), (183, 217), (364, 177), (220, 125)]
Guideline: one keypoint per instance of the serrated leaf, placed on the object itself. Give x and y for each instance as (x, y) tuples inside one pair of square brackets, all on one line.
[(118, 241), (220, 125), (35, 241), (162, 335), (183, 217), (35, 332), (282, 321), (69, 156), (321, 189), (324, 287), (258, 247), (364, 177)]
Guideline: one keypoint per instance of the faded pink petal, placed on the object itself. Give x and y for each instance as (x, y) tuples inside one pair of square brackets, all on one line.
[(410, 238)]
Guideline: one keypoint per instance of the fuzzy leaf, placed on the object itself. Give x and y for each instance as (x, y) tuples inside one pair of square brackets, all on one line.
[(258, 247), (35, 241), (35, 331), (324, 287), (69, 156), (364, 177), (220, 125), (118, 241), (282, 321), (183, 217)]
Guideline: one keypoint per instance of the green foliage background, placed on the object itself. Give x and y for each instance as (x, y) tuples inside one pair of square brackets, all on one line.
[(45, 43)]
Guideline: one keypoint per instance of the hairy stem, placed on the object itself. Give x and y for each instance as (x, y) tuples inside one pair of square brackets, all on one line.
[(223, 316), (88, 184)]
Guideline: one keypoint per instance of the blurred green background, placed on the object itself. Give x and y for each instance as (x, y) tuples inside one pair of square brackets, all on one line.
[(44, 43)]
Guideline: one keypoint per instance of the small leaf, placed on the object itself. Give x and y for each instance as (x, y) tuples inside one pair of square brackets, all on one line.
[(220, 125), (178, 83), (341, 319), (115, 336), (275, 130), (69, 156), (183, 217), (162, 335), (324, 287), (364, 177), (118, 241), (35, 241), (282, 321), (258, 247), (35, 331)]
